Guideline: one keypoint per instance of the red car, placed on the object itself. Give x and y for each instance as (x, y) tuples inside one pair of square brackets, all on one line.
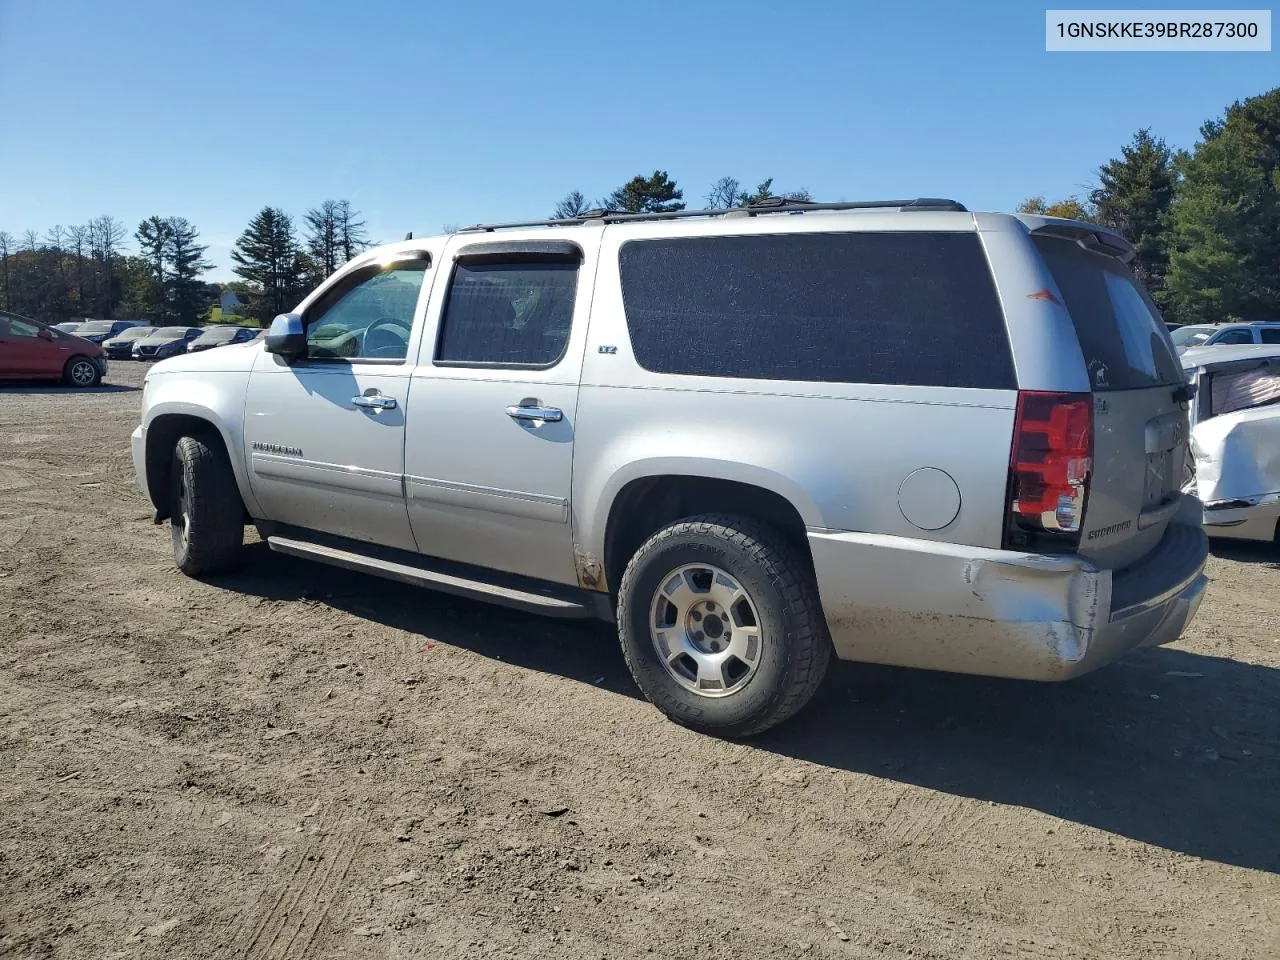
[(31, 350)]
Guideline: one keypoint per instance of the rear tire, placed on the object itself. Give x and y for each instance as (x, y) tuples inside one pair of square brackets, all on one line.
[(721, 625), (207, 515), (80, 371)]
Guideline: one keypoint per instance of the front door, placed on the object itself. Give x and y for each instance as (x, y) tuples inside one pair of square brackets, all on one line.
[(489, 447), (324, 434)]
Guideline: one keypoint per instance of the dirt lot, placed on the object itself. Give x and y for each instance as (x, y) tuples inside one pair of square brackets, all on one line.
[(301, 762)]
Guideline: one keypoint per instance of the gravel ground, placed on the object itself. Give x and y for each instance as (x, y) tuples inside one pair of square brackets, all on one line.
[(296, 761)]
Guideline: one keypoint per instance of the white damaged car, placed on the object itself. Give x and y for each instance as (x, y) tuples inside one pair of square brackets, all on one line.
[(1235, 439)]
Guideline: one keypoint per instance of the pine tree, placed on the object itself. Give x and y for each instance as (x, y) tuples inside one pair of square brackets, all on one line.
[(185, 256), (267, 256), (153, 241), (652, 194), (1225, 218), (1133, 199)]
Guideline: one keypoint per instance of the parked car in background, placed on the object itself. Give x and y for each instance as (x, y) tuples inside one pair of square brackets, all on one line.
[(68, 326), (120, 347), (220, 336), (675, 422), (1235, 439), (1224, 334), (31, 350), (99, 331), (164, 342)]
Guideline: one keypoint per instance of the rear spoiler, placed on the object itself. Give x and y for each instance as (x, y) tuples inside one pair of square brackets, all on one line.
[(1091, 236)]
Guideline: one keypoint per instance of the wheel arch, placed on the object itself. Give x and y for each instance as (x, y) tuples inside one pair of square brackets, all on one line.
[(644, 503), (165, 427)]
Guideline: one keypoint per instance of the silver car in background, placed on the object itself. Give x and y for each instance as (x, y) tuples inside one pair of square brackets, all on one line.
[(1235, 439)]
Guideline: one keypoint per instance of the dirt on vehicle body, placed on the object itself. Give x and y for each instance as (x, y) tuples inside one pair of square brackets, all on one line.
[(296, 761)]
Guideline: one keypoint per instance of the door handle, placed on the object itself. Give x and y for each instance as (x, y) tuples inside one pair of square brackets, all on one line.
[(535, 414), (376, 402)]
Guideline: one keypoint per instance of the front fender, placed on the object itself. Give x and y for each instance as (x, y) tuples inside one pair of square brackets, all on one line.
[(217, 399)]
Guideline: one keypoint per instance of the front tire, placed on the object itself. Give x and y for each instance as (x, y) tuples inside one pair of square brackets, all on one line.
[(721, 625), (206, 513), (80, 371)]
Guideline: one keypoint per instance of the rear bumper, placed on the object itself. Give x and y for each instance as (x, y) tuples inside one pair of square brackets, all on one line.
[(920, 603)]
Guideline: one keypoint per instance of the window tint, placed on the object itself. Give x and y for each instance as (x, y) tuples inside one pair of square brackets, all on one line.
[(508, 314), (1270, 334), (370, 319), (1238, 335), (1124, 341), (902, 308)]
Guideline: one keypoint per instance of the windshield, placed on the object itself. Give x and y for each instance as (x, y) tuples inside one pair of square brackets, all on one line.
[(171, 332), (1191, 336), (136, 333), (219, 333), (96, 326)]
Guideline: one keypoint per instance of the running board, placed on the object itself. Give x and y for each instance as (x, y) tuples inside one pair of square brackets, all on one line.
[(419, 575)]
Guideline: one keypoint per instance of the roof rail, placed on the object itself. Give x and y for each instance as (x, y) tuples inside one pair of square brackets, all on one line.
[(770, 205)]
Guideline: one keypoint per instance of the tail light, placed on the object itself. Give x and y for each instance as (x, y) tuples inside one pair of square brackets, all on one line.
[(1049, 469)]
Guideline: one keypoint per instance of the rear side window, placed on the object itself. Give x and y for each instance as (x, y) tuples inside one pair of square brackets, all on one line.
[(515, 314), (1270, 334), (916, 309), (1124, 340), (1236, 336)]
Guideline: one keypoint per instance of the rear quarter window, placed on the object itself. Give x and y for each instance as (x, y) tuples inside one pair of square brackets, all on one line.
[(1125, 342), (916, 309)]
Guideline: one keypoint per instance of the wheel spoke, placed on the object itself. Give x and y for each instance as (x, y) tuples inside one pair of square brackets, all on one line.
[(744, 643), (682, 590), (711, 672)]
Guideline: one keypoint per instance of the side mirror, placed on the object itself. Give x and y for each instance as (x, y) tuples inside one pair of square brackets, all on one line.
[(285, 336), (45, 335)]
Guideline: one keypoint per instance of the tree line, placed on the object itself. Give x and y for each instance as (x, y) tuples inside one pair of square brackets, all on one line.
[(1205, 222), (658, 193), (92, 271)]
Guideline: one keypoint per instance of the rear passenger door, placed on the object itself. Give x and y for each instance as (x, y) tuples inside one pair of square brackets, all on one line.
[(493, 406)]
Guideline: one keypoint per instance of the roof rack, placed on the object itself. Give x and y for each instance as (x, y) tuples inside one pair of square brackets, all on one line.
[(771, 205)]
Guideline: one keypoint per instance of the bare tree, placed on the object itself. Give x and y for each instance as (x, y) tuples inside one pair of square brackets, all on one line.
[(449, 228), (724, 194), (106, 236), (322, 239), (30, 241), (352, 236), (6, 245), (574, 205), (78, 246)]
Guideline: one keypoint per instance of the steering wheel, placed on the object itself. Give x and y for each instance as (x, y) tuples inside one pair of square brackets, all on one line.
[(380, 339)]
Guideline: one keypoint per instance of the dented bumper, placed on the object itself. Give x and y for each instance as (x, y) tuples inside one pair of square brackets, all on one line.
[(938, 606)]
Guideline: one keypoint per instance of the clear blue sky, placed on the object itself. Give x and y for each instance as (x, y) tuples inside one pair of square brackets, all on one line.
[(424, 114)]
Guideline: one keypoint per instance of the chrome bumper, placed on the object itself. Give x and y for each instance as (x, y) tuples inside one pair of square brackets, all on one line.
[(938, 606)]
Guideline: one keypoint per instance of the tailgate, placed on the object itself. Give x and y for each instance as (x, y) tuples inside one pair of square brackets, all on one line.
[(1140, 402)]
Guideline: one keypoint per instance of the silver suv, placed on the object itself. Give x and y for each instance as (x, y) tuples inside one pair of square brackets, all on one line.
[(897, 432)]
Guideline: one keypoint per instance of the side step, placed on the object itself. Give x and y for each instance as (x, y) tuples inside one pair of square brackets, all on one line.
[(413, 569)]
